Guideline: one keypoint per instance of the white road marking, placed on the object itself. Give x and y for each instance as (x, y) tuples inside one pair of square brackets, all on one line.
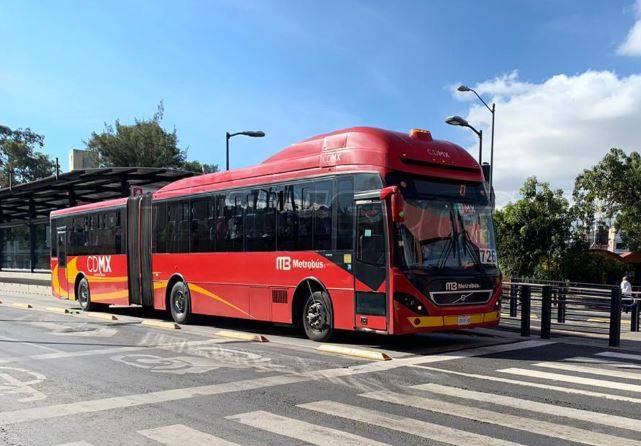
[(535, 406), (181, 435), (119, 402), (107, 351), (620, 355), (608, 396), (415, 360), (97, 405), (613, 363), (557, 431), (573, 379), (412, 426), (590, 370), (301, 430)]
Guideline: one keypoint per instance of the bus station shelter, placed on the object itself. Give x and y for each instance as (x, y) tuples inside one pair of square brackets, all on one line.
[(25, 239)]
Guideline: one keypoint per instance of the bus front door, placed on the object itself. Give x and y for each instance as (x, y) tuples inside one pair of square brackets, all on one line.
[(370, 266), (61, 242)]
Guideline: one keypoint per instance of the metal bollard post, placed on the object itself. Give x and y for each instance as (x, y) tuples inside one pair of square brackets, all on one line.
[(560, 311), (513, 301), (526, 293), (615, 317), (634, 316), (546, 311)]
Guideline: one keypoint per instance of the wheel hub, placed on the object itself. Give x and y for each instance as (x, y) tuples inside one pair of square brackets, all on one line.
[(316, 316), (179, 302)]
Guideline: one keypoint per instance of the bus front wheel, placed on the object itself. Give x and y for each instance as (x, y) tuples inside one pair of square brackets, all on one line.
[(318, 319), (180, 303)]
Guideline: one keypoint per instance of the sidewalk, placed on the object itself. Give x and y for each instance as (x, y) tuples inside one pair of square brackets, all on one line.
[(22, 282)]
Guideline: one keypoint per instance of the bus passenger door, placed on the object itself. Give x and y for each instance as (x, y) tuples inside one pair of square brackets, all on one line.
[(370, 266), (61, 244)]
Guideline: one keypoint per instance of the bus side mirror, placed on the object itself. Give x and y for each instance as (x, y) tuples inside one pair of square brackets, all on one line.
[(397, 204)]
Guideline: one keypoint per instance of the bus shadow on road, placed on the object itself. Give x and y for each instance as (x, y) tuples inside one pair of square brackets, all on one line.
[(427, 343)]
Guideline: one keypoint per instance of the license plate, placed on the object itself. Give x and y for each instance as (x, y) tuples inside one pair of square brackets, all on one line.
[(464, 320)]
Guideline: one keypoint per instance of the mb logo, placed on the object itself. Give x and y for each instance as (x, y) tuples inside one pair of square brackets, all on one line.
[(451, 286), (284, 263)]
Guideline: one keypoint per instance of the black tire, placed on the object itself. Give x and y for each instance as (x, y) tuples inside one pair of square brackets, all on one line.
[(318, 317), (180, 303), (83, 295)]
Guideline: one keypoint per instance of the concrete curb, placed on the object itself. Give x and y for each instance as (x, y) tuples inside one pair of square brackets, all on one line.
[(242, 336), (356, 352), (160, 324)]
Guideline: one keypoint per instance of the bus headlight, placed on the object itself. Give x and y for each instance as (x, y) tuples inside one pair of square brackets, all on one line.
[(410, 302)]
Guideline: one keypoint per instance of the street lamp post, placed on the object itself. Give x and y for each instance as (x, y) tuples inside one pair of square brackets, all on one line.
[(250, 133), (458, 121), (492, 110)]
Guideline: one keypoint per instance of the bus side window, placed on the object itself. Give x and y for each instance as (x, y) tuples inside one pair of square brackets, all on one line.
[(160, 224), (305, 215), (322, 205), (220, 223), (235, 204), (370, 234), (287, 219), (367, 181), (199, 225), (345, 213)]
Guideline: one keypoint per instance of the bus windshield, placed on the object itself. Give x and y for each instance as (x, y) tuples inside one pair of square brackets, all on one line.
[(446, 225)]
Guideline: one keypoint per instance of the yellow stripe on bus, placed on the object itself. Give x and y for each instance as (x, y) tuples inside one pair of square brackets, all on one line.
[(203, 291), (442, 321)]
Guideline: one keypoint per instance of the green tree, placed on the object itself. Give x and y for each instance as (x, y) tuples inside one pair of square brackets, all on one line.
[(197, 166), (142, 144), (20, 158), (533, 232), (612, 190)]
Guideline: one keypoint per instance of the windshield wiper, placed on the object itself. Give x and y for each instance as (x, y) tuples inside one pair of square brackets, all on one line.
[(469, 245), (451, 244)]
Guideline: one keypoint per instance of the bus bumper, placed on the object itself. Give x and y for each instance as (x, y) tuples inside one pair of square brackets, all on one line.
[(423, 324)]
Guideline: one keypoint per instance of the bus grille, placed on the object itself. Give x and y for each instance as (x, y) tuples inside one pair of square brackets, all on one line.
[(461, 297)]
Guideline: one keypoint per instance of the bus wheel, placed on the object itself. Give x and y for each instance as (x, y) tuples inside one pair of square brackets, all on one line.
[(180, 303), (318, 319), (84, 296)]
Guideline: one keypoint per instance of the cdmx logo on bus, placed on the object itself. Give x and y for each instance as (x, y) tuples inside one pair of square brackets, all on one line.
[(99, 264)]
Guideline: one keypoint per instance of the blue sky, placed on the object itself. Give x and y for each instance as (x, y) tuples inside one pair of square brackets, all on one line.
[(290, 68)]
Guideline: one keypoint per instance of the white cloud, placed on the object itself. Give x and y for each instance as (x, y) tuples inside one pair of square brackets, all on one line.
[(632, 44), (556, 128)]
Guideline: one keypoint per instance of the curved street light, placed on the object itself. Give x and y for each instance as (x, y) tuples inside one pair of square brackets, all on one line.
[(250, 133), (458, 121), (464, 88)]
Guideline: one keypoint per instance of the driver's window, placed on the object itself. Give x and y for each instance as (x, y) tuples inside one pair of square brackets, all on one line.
[(370, 234)]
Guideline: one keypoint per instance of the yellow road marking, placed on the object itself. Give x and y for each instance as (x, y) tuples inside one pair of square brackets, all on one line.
[(21, 305)]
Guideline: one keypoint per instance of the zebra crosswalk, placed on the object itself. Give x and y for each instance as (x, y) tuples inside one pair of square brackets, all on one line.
[(460, 411)]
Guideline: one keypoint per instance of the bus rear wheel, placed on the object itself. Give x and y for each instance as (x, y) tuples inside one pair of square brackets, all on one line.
[(84, 295), (318, 318), (180, 303)]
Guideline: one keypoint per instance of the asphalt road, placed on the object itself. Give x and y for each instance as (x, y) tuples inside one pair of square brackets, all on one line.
[(76, 380)]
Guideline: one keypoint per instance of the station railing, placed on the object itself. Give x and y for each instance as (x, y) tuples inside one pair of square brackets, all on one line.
[(571, 309)]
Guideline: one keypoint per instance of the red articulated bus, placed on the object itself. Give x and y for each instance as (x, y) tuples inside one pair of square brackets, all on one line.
[(359, 229)]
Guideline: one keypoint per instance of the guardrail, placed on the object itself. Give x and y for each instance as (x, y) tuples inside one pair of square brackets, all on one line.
[(596, 310)]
